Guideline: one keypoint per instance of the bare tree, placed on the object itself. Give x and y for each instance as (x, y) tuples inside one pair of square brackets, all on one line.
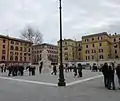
[(30, 34)]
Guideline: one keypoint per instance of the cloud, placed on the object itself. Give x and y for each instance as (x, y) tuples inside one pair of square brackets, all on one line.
[(79, 17)]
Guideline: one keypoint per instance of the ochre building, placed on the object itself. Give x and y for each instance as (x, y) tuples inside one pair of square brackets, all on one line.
[(13, 50)]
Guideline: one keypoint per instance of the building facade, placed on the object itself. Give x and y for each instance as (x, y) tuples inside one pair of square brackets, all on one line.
[(37, 53), (69, 50), (13, 50), (115, 47), (96, 47)]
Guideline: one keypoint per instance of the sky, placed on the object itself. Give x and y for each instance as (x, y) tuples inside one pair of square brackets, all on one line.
[(79, 17)]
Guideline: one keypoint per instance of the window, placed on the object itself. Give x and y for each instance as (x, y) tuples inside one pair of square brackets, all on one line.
[(25, 54), (114, 40), (12, 48), (11, 58), (16, 53), (29, 50), (99, 38), (24, 58), (101, 57), (119, 38), (28, 54), (92, 39), (66, 48), (4, 40), (115, 46), (20, 53), (93, 45), (12, 42), (3, 52), (3, 57), (16, 48), (92, 57), (11, 53), (86, 46), (17, 43), (66, 53), (100, 50), (116, 56), (20, 48), (88, 57), (20, 58), (87, 40), (66, 58), (116, 51), (3, 46), (16, 58), (100, 44)]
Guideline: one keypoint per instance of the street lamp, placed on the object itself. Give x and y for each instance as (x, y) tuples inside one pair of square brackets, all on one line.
[(61, 81)]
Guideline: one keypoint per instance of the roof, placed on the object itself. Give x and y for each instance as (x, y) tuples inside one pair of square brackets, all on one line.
[(67, 40), (43, 44), (15, 39), (98, 34), (117, 35)]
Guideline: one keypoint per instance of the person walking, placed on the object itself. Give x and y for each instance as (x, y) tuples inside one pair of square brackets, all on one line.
[(105, 74), (40, 67), (118, 73), (54, 70), (80, 70), (75, 70), (111, 72)]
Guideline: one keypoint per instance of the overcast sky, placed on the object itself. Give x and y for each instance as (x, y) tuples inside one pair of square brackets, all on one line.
[(80, 17)]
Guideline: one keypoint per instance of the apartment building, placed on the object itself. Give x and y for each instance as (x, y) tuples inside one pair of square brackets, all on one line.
[(37, 53), (14, 50)]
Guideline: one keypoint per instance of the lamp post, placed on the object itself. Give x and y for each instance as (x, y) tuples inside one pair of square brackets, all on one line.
[(61, 81)]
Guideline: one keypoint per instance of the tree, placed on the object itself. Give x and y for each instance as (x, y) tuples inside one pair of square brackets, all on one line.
[(32, 35)]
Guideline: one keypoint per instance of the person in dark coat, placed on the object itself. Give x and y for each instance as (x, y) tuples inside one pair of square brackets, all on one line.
[(111, 82), (2, 68), (9, 70), (105, 74), (33, 70), (80, 70), (118, 74), (54, 70), (40, 67), (21, 70), (75, 70)]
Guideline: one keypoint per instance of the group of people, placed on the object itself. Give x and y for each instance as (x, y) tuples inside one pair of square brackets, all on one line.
[(108, 71), (17, 70)]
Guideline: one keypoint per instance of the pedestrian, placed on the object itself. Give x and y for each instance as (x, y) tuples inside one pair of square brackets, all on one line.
[(40, 67), (80, 70), (33, 70), (9, 70), (29, 69), (111, 72), (118, 74), (54, 70), (105, 74), (75, 70), (2, 68)]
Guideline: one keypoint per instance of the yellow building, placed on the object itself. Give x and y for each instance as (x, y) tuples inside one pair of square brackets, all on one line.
[(68, 50), (115, 47), (13, 50), (96, 47), (78, 51)]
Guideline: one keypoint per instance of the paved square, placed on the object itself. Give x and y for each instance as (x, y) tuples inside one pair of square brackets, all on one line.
[(87, 88)]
